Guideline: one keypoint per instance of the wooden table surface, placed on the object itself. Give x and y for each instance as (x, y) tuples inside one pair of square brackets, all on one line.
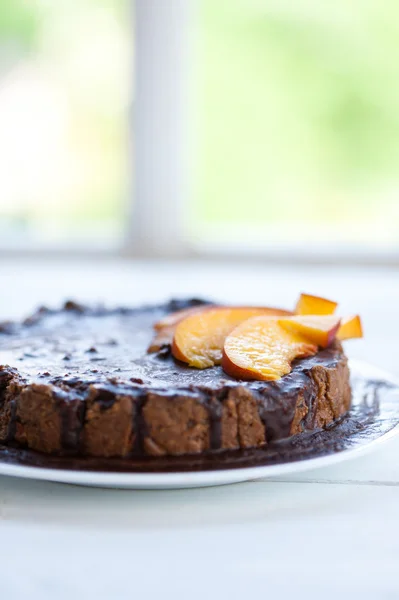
[(328, 533)]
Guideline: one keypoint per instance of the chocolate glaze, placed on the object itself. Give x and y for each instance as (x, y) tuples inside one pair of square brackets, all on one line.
[(45, 339), (59, 348), (375, 411)]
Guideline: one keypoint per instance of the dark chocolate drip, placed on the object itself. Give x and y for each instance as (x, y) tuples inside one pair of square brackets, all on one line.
[(277, 405), (140, 430), (215, 410), (105, 398), (365, 422), (5, 377), (7, 406), (263, 416), (81, 427), (72, 413), (310, 397), (12, 426), (371, 393)]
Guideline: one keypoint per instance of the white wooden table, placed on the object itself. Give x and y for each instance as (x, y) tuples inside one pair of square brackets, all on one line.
[(330, 533)]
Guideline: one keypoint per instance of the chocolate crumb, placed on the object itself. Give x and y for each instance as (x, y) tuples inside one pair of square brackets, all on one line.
[(136, 380)]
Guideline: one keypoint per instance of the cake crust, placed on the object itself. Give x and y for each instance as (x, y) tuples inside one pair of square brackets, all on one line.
[(78, 381)]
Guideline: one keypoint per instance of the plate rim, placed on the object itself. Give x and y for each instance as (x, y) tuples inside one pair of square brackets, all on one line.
[(190, 479)]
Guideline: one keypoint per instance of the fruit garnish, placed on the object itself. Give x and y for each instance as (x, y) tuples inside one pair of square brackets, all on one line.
[(199, 338), (165, 327), (261, 348), (317, 329), (177, 316), (351, 327), (314, 305)]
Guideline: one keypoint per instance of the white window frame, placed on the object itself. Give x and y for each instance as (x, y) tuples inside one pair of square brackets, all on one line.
[(160, 119)]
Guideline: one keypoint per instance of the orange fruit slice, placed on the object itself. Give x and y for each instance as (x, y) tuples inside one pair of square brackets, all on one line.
[(351, 327), (165, 327), (260, 348), (177, 316), (318, 329), (314, 305), (199, 338)]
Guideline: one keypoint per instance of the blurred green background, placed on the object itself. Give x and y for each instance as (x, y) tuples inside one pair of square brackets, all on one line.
[(65, 87), (300, 118), (296, 117)]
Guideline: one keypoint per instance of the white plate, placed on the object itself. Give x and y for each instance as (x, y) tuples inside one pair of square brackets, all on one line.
[(206, 478)]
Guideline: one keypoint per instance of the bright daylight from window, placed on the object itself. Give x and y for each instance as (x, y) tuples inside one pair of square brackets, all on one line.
[(65, 84), (293, 123), (299, 121)]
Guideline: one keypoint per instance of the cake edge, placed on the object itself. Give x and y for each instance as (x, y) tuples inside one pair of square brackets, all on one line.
[(152, 422)]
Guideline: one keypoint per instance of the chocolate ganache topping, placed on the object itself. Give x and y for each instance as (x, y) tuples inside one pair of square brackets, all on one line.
[(79, 381)]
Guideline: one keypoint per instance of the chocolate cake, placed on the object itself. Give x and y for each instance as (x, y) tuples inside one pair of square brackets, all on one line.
[(79, 382)]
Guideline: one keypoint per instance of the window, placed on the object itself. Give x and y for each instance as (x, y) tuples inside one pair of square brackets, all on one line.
[(258, 125), (65, 87), (298, 129)]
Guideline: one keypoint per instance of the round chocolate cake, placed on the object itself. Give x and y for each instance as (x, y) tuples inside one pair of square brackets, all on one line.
[(79, 381)]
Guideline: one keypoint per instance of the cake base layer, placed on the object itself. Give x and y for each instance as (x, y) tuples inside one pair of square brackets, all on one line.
[(79, 382)]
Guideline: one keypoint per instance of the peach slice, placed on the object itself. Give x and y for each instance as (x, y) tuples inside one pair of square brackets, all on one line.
[(314, 305), (260, 348), (351, 327), (317, 329), (177, 316), (199, 338), (165, 327)]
